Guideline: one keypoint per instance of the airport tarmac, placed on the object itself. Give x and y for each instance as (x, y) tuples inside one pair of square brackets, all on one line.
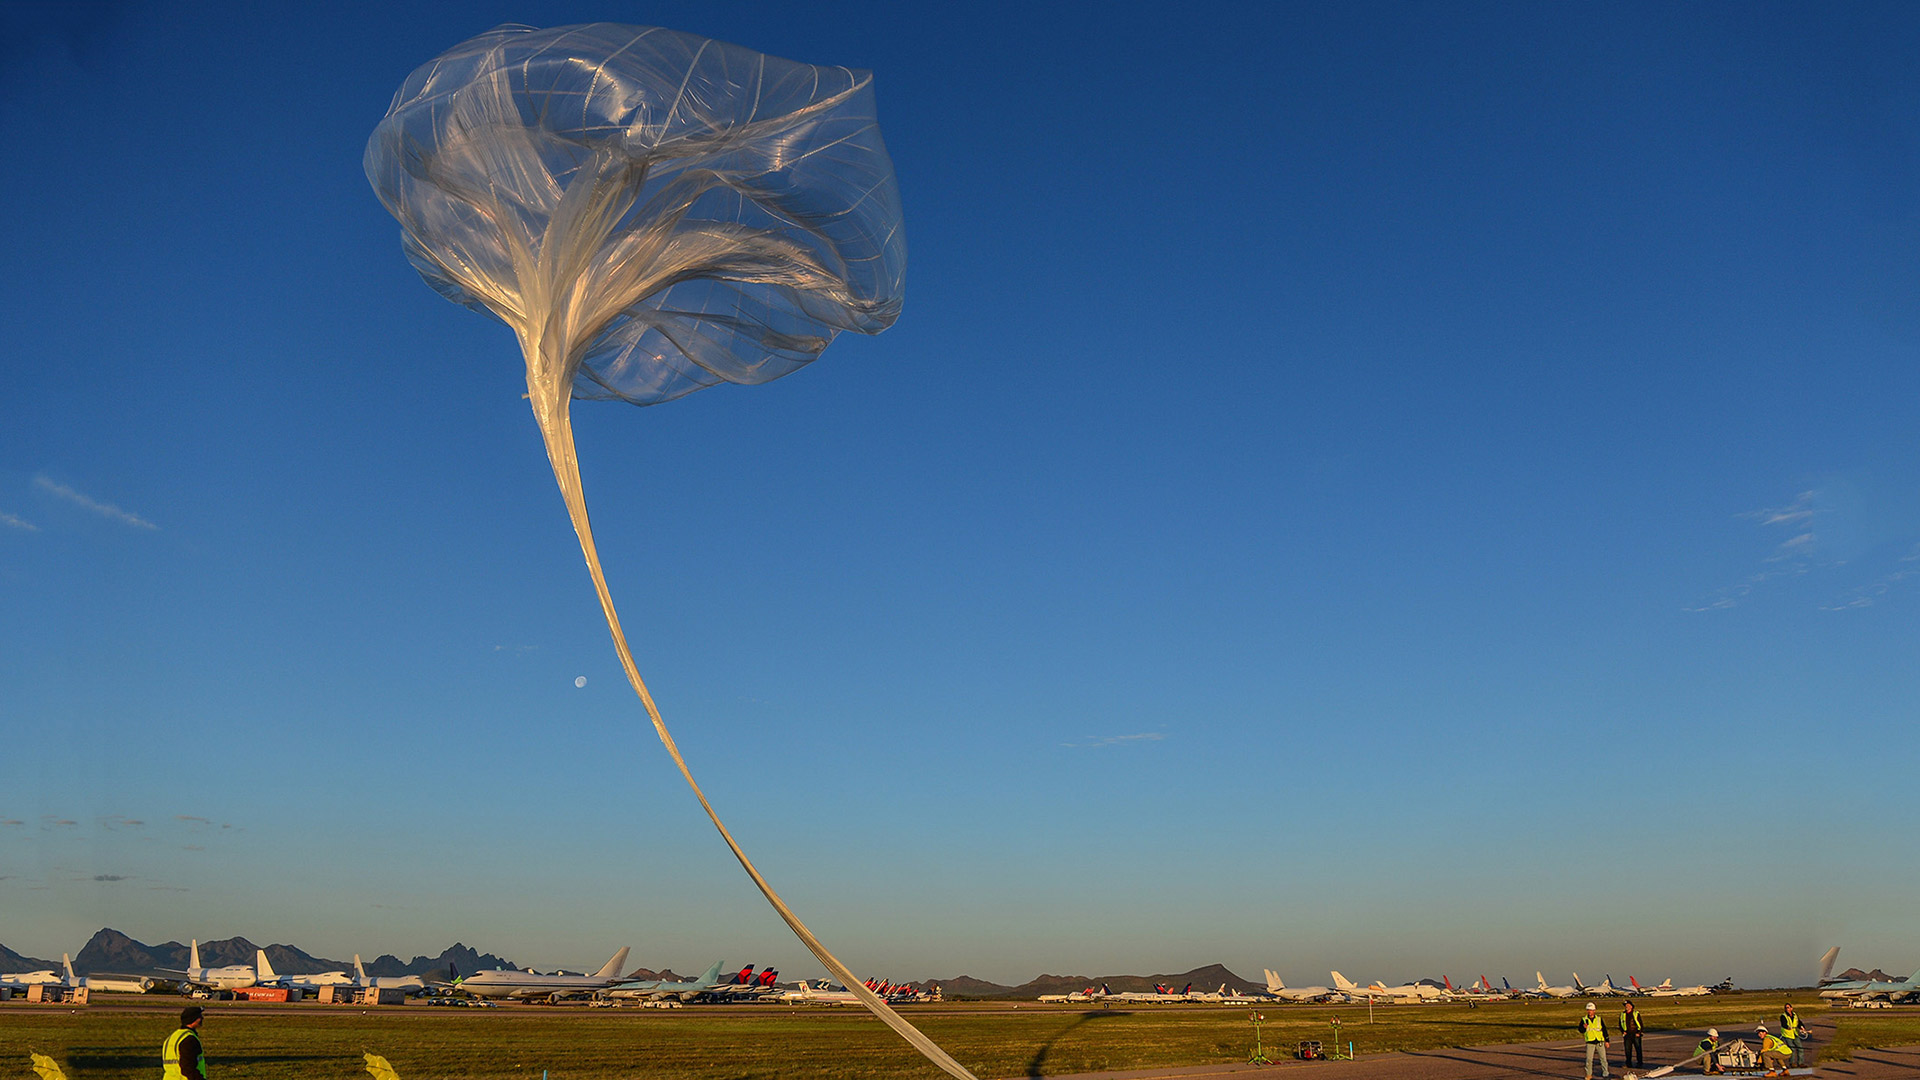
[(1560, 1059)]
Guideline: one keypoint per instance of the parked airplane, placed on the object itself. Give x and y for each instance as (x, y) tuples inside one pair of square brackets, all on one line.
[(1481, 989), (231, 977), (1839, 987), (1160, 995), (113, 984), (1543, 990), (522, 985), (1826, 967), (412, 984), (1278, 989), (659, 989), (820, 995), (1667, 989), (746, 986), (268, 977), (1078, 997), (1378, 991), (1880, 990), (1605, 989), (22, 979)]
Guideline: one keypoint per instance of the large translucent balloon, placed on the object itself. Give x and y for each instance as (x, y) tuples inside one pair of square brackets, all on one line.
[(652, 213)]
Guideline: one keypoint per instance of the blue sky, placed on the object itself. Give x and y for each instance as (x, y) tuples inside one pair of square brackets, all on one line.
[(1412, 489)]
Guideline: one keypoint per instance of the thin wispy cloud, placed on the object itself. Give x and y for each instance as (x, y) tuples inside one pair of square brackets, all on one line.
[(1873, 592), (110, 877), (12, 522), (85, 502), (1800, 510), (1094, 741), (1791, 557)]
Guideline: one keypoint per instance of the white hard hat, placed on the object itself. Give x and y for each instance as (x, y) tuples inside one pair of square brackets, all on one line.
[(1589, 1005), (1762, 1027), (1713, 1033)]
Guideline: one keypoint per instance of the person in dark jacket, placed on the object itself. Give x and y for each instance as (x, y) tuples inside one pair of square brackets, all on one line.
[(180, 1056), (1631, 1047)]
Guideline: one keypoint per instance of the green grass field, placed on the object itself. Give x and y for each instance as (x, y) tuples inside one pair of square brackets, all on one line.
[(305, 1042)]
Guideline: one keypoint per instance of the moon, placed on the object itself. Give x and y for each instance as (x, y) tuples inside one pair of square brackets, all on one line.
[(581, 681)]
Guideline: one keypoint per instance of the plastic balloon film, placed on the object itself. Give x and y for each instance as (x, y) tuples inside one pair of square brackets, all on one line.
[(651, 213)]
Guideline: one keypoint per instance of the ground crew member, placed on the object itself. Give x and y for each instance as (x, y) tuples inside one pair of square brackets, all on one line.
[(1594, 1031), (1792, 1032), (1773, 1052), (180, 1056), (1632, 1050), (1710, 1047)]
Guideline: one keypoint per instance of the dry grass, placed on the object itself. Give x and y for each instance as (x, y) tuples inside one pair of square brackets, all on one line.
[(304, 1042)]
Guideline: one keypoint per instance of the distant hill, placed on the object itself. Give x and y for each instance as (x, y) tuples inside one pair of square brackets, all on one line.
[(111, 950), (1209, 977), (1856, 975), (12, 962), (458, 955)]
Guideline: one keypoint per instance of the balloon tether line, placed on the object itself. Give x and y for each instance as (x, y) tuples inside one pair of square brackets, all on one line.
[(557, 429)]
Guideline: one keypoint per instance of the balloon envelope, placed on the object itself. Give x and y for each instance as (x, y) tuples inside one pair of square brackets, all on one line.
[(651, 211)]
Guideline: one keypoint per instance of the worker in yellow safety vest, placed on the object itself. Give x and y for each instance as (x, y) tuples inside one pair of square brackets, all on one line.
[(1633, 1050), (180, 1056), (1792, 1032), (1594, 1031), (1773, 1052), (1709, 1053)]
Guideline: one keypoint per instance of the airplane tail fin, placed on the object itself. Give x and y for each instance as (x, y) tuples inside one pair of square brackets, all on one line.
[(1666, 983), (1541, 979), (1104, 990), (612, 970), (193, 955), (67, 961), (1342, 981), (713, 974), (1577, 984), (261, 967), (1274, 985), (1446, 981), (359, 970), (1505, 983), (1826, 964)]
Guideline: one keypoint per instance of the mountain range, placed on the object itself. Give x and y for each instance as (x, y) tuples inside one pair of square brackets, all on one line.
[(109, 950)]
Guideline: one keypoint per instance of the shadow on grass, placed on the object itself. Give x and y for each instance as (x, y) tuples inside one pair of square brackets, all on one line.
[(1037, 1064), (121, 1061)]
